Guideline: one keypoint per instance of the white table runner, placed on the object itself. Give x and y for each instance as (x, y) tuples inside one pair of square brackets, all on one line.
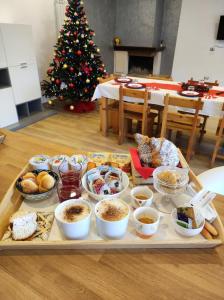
[(212, 107)]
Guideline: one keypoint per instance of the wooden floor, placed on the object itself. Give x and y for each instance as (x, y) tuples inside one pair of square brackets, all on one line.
[(119, 274), (79, 131)]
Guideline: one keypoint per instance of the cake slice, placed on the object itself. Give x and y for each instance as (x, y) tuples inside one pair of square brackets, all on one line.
[(24, 226)]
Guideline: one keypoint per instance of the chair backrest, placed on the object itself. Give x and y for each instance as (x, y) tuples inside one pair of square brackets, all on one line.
[(133, 107), (161, 77), (210, 83), (182, 102), (109, 78)]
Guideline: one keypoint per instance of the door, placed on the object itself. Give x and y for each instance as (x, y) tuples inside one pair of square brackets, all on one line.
[(121, 62), (8, 113), (25, 83), (17, 40), (3, 63)]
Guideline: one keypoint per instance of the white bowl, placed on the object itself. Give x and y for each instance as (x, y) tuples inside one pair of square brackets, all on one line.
[(186, 231), (125, 182), (73, 230)]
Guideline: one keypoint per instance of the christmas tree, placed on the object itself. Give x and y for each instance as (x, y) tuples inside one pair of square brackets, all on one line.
[(76, 67)]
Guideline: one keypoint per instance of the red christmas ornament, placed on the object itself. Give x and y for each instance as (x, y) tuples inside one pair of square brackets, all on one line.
[(72, 69), (91, 32), (49, 70), (91, 42), (71, 85), (86, 90), (61, 98), (67, 8), (58, 81), (75, 33), (63, 52), (79, 52), (90, 69)]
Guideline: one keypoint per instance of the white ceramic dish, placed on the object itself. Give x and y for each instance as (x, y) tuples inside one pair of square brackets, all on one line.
[(186, 231), (125, 182)]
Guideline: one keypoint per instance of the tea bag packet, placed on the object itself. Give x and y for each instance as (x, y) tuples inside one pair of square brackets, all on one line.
[(187, 218), (114, 180), (96, 183), (202, 201), (103, 170)]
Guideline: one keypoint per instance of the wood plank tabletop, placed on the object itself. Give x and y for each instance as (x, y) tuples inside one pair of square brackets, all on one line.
[(105, 274)]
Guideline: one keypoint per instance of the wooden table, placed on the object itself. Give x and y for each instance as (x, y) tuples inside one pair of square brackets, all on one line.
[(118, 274)]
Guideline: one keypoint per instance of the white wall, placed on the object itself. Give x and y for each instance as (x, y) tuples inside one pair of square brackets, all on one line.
[(196, 35), (41, 15)]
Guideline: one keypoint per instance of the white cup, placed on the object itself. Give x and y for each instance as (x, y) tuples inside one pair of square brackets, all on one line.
[(144, 190), (111, 229), (146, 230), (73, 230)]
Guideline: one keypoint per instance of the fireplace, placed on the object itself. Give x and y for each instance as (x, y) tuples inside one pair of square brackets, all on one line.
[(140, 65), (137, 60)]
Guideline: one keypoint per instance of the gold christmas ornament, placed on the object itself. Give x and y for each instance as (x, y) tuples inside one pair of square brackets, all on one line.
[(50, 102), (81, 2), (98, 50), (52, 79), (87, 80), (71, 107), (65, 66), (77, 22)]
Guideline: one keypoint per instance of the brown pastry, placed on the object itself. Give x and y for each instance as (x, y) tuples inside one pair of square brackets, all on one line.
[(211, 228), (156, 152), (29, 175), (29, 186), (206, 234), (168, 177), (46, 182), (40, 175), (42, 190)]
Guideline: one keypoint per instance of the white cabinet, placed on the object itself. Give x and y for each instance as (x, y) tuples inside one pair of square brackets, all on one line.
[(121, 62), (3, 63), (25, 82), (8, 113), (20, 93), (18, 44)]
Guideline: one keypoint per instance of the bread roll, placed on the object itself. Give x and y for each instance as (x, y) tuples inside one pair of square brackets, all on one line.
[(42, 190), (47, 182), (40, 175), (211, 228), (29, 186), (206, 234), (29, 175)]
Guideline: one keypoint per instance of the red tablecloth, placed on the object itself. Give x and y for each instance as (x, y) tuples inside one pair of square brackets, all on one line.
[(175, 87)]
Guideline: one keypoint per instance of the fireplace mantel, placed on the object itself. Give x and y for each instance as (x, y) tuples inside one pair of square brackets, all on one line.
[(139, 51)]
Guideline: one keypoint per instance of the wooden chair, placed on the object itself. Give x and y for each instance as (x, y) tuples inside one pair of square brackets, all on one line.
[(132, 111), (180, 122), (220, 135), (204, 118), (160, 77), (109, 109)]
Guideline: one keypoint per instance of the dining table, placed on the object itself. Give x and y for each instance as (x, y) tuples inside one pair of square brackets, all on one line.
[(213, 100)]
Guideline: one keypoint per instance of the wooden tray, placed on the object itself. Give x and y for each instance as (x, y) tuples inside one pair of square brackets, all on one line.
[(166, 237)]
